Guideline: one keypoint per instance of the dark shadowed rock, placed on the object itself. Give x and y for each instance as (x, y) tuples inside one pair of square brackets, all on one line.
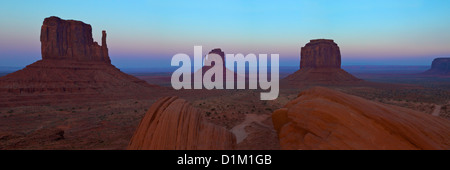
[(320, 53), (71, 40), (440, 66), (218, 52), (320, 63)]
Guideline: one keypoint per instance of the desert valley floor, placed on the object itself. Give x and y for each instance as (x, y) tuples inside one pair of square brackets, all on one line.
[(110, 124)]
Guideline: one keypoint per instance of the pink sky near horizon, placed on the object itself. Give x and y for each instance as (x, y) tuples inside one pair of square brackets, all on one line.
[(391, 32)]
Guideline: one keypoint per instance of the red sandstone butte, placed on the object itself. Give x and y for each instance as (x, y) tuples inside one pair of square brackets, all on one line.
[(71, 40), (320, 62), (73, 68), (320, 53), (321, 118), (439, 66), (173, 124), (225, 71)]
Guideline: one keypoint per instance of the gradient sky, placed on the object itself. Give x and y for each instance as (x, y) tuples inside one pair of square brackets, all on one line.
[(148, 33)]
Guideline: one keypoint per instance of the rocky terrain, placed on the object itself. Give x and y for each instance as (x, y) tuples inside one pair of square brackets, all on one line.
[(173, 124), (321, 118)]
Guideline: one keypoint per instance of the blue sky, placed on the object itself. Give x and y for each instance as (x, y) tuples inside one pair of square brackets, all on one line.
[(148, 33)]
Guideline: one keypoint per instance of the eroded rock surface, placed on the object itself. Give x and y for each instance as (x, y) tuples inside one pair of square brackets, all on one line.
[(173, 124), (71, 40), (320, 118), (320, 53)]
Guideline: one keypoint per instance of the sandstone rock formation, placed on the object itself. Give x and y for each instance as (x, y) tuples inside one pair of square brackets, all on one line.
[(71, 40), (320, 118), (320, 63), (73, 67), (440, 66), (320, 53), (173, 124), (218, 52)]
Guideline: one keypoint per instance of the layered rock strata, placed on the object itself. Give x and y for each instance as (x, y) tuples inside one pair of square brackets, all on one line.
[(173, 124), (321, 118)]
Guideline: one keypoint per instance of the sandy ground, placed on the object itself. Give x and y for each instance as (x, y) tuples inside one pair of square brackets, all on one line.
[(239, 130), (437, 110)]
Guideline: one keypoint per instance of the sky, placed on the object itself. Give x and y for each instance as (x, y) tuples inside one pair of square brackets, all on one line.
[(147, 33)]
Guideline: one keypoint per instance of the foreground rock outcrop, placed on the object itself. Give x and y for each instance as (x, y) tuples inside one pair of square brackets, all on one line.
[(439, 66), (320, 63), (73, 68), (320, 118), (173, 124)]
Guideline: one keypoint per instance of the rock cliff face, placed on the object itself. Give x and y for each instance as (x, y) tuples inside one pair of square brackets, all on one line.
[(71, 40), (320, 63), (320, 53), (440, 66), (225, 71), (320, 118), (73, 67), (173, 124), (220, 53)]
